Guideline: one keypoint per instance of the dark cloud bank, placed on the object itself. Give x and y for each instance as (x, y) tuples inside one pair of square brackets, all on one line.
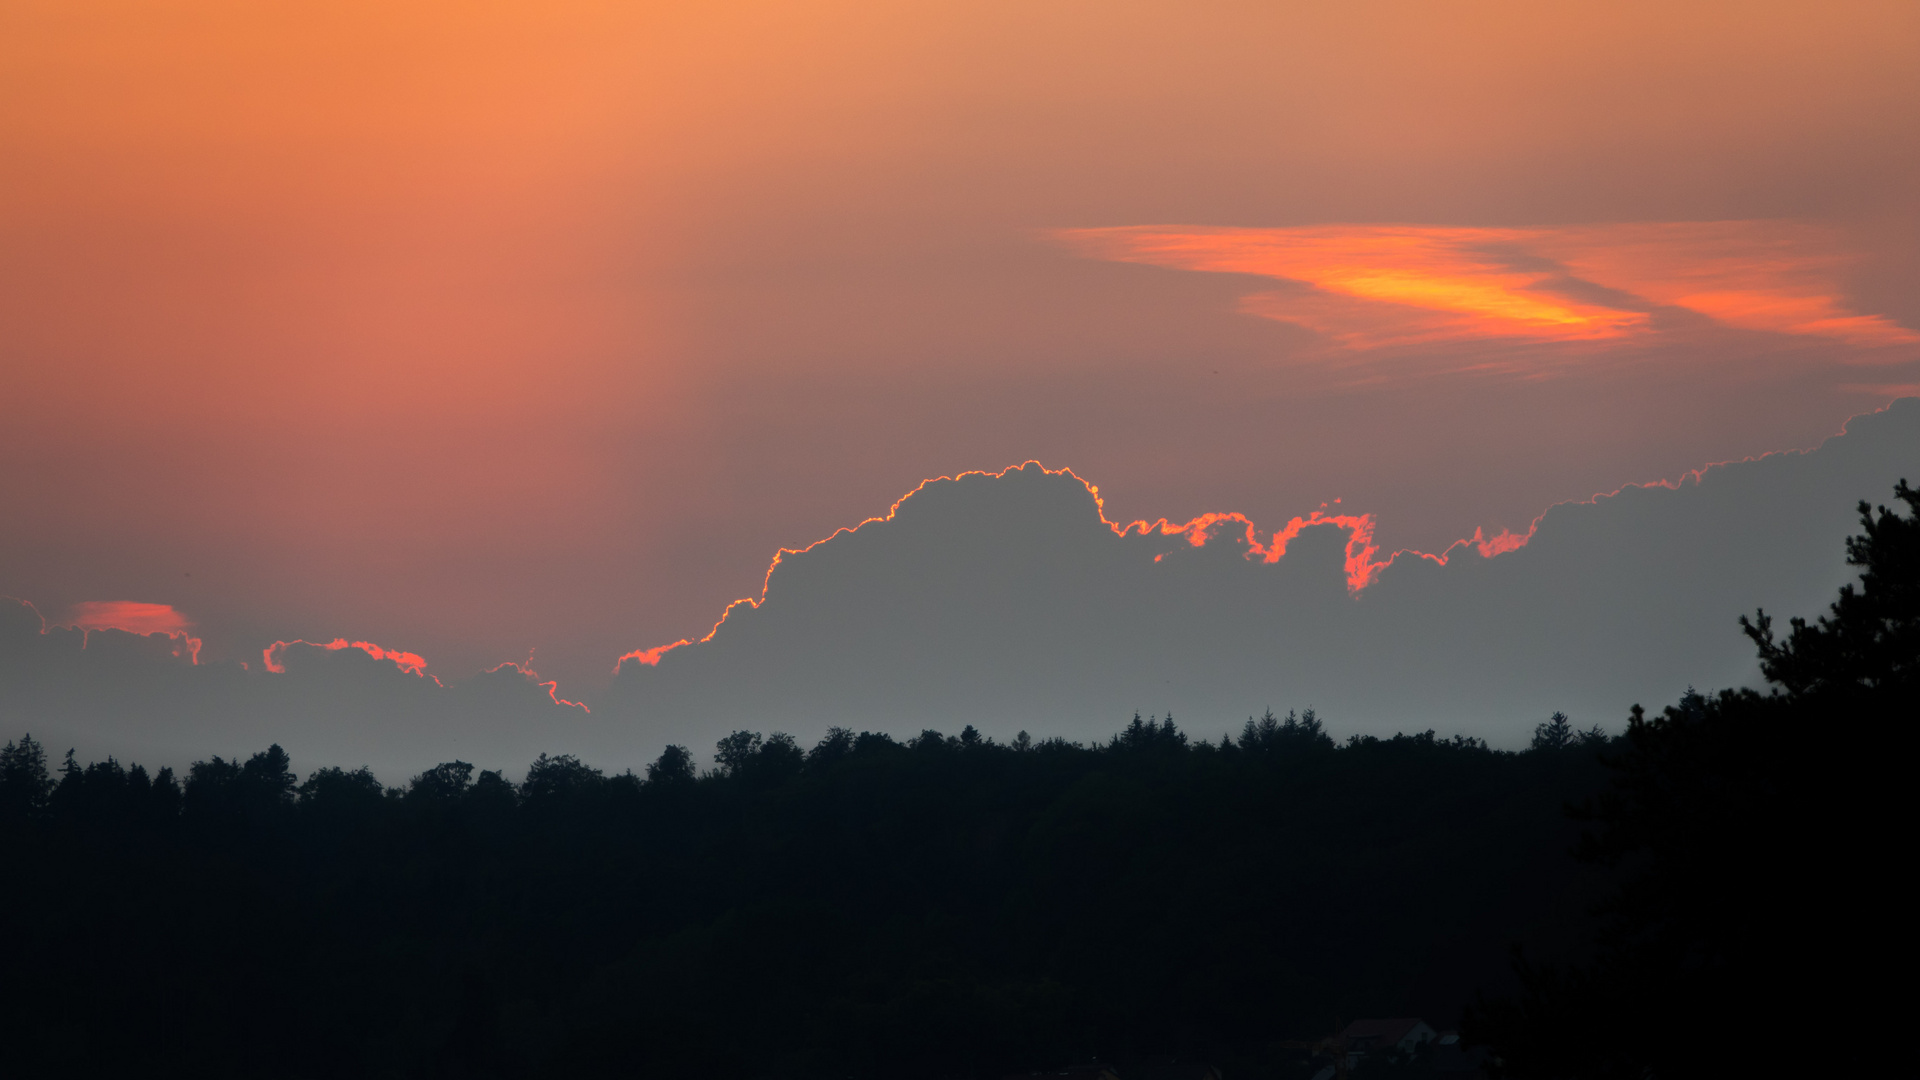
[(1008, 603)]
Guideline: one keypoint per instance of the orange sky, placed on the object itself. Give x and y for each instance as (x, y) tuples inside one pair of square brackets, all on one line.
[(473, 328)]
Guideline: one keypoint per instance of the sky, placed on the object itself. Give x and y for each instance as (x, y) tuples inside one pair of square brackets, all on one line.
[(490, 332)]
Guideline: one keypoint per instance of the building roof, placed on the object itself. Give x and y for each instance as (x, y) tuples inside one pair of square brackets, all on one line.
[(1381, 1032), (1169, 1068), (1073, 1072)]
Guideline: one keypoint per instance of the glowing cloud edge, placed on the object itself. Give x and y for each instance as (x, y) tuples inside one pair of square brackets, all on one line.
[(1361, 567)]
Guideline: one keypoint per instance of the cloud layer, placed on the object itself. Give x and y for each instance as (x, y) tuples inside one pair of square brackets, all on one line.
[(1011, 601)]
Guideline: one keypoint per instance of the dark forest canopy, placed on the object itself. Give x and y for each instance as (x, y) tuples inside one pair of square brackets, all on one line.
[(844, 910), (949, 906)]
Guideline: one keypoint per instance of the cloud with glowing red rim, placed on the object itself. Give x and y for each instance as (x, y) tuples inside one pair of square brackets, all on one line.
[(134, 617), (1362, 564), (412, 663), (551, 686)]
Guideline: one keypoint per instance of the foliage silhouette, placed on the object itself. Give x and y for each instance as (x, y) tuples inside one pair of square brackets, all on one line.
[(24, 783), (1750, 831)]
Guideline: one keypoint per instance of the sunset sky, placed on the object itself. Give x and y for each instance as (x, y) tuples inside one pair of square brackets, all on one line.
[(485, 328)]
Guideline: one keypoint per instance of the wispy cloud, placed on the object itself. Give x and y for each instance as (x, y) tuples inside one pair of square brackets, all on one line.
[(1366, 287)]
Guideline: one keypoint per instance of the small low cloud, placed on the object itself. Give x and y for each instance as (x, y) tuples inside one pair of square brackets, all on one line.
[(113, 683), (133, 617)]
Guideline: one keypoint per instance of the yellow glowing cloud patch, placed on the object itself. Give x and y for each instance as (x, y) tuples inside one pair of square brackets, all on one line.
[(1373, 286)]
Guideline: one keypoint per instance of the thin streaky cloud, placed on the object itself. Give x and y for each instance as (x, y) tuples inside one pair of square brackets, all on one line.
[(1366, 287)]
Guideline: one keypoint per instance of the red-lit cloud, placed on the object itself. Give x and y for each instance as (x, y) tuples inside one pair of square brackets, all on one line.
[(1362, 564), (1507, 540), (1380, 286), (1014, 596), (1361, 567), (136, 618), (651, 657), (551, 686), (413, 663)]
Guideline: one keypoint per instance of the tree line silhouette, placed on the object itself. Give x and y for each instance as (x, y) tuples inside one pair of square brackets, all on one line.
[(949, 905)]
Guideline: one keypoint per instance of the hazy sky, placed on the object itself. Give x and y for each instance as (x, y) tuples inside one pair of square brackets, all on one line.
[(474, 328)]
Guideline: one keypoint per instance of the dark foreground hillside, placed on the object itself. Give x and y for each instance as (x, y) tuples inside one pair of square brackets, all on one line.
[(865, 907)]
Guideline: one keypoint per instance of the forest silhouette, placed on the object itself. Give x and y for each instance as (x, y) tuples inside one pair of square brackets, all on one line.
[(951, 906)]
